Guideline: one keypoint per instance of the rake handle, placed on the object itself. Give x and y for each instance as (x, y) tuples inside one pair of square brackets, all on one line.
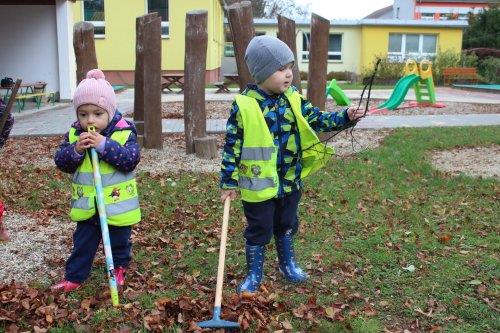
[(222, 253)]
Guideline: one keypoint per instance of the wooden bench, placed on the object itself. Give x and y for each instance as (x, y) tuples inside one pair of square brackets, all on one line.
[(222, 87), (21, 99), (459, 73)]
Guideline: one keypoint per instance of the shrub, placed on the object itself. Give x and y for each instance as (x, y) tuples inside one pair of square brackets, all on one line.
[(489, 69), (388, 72), (339, 76), (303, 76)]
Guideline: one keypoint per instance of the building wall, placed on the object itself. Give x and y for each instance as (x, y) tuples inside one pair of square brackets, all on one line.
[(403, 9), (375, 40), (351, 38), (116, 51), (29, 52)]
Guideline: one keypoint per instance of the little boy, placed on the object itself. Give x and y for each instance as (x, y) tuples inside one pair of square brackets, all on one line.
[(271, 144)]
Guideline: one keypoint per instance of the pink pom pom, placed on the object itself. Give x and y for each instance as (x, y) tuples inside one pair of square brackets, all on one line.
[(95, 74)]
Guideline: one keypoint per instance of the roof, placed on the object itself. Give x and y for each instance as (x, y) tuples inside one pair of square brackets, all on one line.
[(375, 22), (379, 12), (472, 2)]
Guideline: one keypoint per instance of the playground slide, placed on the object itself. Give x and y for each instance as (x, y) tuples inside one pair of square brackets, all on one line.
[(399, 92), (337, 94)]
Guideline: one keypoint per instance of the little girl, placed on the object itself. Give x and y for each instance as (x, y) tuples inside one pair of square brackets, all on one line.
[(115, 140)]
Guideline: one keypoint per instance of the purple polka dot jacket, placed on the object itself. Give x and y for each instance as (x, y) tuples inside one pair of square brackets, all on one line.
[(124, 158)]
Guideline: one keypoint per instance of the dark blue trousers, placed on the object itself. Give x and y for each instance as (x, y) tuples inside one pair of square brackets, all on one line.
[(275, 216), (86, 240)]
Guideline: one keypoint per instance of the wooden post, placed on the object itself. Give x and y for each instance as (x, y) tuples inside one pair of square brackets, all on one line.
[(206, 147), (8, 107), (240, 19), (83, 44), (195, 122), (151, 85), (140, 22), (318, 60), (286, 32)]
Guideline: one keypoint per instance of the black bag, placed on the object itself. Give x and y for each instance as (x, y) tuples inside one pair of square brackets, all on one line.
[(6, 82)]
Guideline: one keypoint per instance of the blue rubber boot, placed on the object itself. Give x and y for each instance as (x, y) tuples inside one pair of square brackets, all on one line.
[(255, 264), (286, 257)]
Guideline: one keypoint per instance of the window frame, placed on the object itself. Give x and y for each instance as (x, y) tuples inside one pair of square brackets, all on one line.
[(305, 54), (98, 24), (164, 24), (403, 55)]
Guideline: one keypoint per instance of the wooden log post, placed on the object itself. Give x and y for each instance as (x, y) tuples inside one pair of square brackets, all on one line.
[(84, 46), (195, 122), (318, 60), (206, 147), (10, 102), (151, 85), (240, 19), (139, 87), (286, 32)]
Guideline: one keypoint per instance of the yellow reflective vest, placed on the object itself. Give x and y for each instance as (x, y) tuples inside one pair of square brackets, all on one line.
[(119, 188), (257, 171)]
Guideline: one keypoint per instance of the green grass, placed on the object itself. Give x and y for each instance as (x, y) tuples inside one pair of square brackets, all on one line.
[(365, 218)]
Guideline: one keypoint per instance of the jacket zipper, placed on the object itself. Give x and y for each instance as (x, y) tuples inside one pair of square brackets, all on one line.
[(281, 161)]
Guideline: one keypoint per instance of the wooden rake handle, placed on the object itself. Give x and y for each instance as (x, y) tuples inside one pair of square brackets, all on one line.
[(222, 253)]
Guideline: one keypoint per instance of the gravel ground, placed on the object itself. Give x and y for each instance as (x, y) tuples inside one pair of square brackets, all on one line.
[(475, 162), (220, 109), (35, 251)]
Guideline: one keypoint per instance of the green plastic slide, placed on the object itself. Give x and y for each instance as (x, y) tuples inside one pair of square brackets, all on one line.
[(337, 94), (399, 92)]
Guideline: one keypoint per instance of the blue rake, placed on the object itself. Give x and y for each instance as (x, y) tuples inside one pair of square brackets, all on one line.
[(103, 220), (216, 322)]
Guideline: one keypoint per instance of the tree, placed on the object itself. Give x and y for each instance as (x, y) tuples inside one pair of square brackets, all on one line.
[(273, 8), (483, 30)]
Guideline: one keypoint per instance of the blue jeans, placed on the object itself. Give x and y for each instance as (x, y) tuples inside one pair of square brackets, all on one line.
[(86, 240)]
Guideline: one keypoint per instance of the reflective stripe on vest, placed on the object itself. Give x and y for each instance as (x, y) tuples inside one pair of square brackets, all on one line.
[(119, 188), (258, 177)]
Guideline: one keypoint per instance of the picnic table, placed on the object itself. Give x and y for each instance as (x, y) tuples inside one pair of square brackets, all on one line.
[(35, 90), (177, 80), (224, 85)]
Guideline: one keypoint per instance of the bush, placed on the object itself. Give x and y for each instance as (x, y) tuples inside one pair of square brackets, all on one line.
[(389, 71), (303, 75), (489, 69), (339, 76)]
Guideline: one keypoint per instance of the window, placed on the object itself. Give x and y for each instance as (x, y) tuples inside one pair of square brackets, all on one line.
[(334, 46), (93, 12), (160, 7), (402, 46)]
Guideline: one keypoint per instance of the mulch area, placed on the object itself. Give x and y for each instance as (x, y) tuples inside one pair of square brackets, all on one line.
[(221, 109)]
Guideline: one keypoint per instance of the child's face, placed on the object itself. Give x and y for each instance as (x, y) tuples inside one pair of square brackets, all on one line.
[(92, 115), (280, 81)]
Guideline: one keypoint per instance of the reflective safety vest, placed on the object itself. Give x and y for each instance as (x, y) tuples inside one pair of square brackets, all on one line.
[(119, 189), (257, 174)]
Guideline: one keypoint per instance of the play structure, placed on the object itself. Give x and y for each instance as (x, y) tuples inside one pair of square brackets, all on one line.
[(418, 77), (337, 94)]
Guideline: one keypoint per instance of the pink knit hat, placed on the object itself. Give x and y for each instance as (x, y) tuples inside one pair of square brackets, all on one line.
[(97, 91)]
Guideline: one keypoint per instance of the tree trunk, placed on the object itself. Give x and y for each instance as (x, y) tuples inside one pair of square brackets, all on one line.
[(286, 32), (195, 122), (83, 44), (151, 46), (206, 147), (139, 88), (241, 23), (318, 60)]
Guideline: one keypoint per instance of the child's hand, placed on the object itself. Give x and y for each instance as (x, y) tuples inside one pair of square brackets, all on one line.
[(227, 193), (95, 139), (83, 143), (354, 114)]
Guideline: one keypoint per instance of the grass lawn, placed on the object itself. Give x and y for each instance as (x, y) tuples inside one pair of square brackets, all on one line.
[(389, 243)]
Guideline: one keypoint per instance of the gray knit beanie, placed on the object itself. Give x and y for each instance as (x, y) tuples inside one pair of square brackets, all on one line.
[(265, 55)]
